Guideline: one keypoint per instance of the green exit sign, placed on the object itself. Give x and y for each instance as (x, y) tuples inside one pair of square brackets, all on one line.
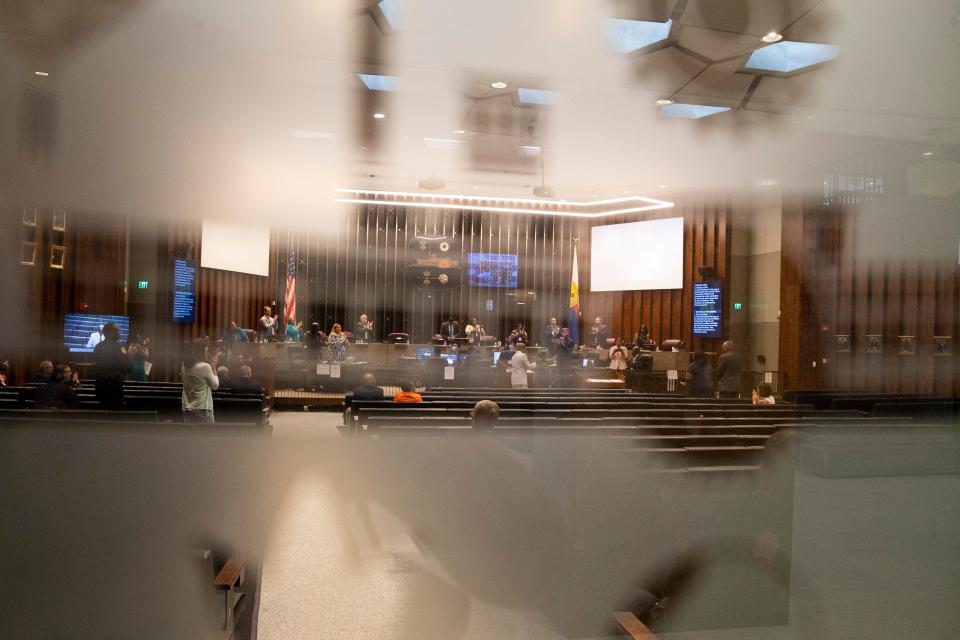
[(143, 284), (737, 306)]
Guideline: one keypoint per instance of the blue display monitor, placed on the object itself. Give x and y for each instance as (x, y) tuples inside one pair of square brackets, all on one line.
[(492, 270), (708, 309), (83, 331), (184, 289), (424, 352)]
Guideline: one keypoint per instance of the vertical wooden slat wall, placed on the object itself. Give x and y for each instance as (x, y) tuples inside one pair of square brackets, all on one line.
[(846, 289), (363, 269)]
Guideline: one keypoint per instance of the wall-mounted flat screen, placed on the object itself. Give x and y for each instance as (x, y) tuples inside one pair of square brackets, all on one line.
[(84, 331), (708, 309), (492, 270), (184, 289), (637, 256)]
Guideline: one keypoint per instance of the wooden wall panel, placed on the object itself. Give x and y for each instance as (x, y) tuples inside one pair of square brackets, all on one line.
[(363, 270), (828, 280)]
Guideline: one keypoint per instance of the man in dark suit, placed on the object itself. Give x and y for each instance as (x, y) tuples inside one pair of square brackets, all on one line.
[(598, 333), (450, 329), (112, 365), (728, 371), (363, 331), (368, 389), (246, 384)]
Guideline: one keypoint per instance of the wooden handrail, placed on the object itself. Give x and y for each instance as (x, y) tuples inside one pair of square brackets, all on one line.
[(230, 574), (632, 626)]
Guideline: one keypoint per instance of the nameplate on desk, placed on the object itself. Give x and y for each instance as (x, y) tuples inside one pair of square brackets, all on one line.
[(673, 374), (448, 373), (334, 371), (323, 369)]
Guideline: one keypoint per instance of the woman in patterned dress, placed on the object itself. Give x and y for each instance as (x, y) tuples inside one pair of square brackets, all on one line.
[(337, 343)]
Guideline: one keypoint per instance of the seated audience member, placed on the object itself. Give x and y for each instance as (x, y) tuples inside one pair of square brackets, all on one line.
[(223, 375), (763, 394), (407, 393), (44, 373), (60, 392), (199, 383), (233, 333), (368, 389), (4, 373), (485, 414), (700, 377), (246, 383), (112, 367)]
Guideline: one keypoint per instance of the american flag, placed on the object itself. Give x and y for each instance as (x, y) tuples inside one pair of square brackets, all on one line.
[(290, 296)]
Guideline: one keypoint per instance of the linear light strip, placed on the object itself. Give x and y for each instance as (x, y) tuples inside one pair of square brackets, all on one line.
[(474, 207), (663, 204)]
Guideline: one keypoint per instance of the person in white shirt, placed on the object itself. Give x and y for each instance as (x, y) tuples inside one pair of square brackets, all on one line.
[(763, 394), (618, 356), (95, 338), (519, 364), (268, 325), (475, 331), (199, 383)]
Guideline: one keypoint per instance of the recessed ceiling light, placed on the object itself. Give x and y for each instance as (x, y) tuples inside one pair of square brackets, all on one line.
[(499, 84), (379, 116), (626, 190), (664, 101), (475, 186), (928, 153), (661, 186), (459, 131), (41, 73), (772, 37)]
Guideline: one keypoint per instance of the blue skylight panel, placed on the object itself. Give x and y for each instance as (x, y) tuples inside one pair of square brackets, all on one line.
[(535, 96), (391, 11), (624, 36), (378, 83), (690, 111), (786, 56)]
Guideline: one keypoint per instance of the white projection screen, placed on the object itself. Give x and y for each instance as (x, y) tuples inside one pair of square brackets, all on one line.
[(235, 246), (637, 256)]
